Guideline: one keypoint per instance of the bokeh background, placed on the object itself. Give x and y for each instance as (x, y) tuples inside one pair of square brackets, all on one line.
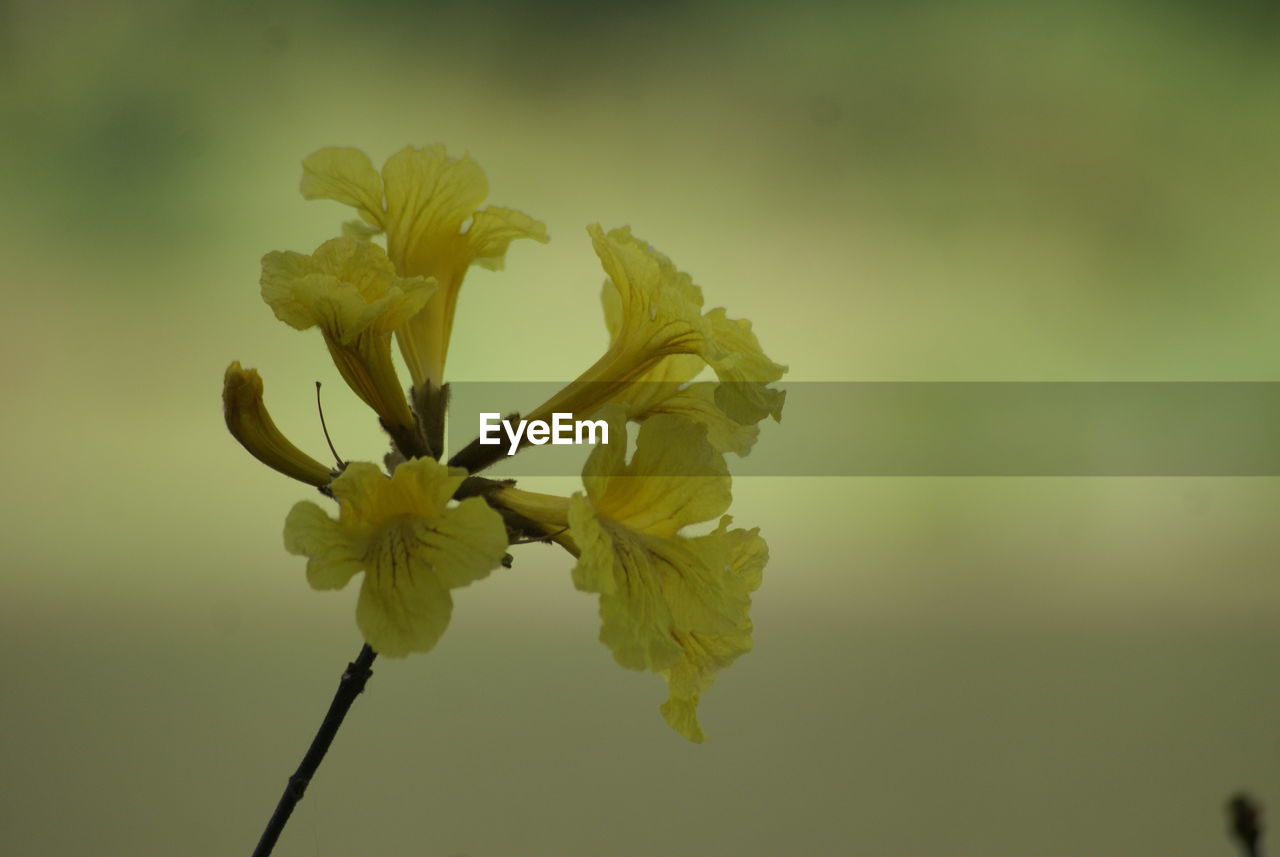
[(892, 191)]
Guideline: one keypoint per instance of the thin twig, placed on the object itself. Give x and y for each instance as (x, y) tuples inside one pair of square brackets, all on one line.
[(353, 681)]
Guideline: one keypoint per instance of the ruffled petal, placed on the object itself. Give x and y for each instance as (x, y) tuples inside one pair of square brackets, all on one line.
[(703, 655), (658, 334), (634, 619), (657, 266), (346, 287), (739, 361), (674, 606), (651, 298), (698, 403), (346, 175), (705, 651), (675, 478), (429, 195), (494, 228), (659, 305), (748, 553)]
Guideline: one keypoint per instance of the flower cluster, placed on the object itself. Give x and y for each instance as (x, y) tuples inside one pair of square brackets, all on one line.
[(671, 603)]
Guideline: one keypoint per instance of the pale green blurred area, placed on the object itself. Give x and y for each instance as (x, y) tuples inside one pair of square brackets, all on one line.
[(920, 191)]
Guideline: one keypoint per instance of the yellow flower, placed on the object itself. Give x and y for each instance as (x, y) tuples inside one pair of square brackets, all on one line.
[(421, 201), (660, 340), (412, 547), (727, 345), (674, 605), (249, 423), (671, 603), (350, 290), (658, 335), (665, 388), (661, 315)]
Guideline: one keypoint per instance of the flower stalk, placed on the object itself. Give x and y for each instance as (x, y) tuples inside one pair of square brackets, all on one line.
[(350, 686)]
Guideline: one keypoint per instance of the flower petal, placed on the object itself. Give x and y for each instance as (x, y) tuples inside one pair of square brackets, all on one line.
[(412, 548), (698, 403), (675, 369), (703, 656), (706, 653), (467, 542), (346, 175), (492, 230), (629, 249), (655, 314), (359, 230), (345, 288), (748, 553), (420, 488), (659, 305), (634, 620), (675, 478), (402, 607), (429, 195), (334, 557), (412, 564), (738, 360), (359, 489), (674, 606)]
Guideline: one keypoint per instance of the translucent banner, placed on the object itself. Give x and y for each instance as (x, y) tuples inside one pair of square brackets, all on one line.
[(951, 429)]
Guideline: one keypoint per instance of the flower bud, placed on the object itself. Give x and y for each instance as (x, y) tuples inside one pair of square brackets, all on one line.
[(250, 424)]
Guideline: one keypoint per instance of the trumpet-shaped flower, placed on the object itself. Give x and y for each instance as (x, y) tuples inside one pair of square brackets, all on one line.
[(728, 346), (412, 547), (659, 309), (349, 289), (674, 605), (423, 201), (665, 388), (659, 338)]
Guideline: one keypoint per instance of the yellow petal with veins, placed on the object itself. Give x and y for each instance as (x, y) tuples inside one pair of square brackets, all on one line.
[(412, 547), (674, 605)]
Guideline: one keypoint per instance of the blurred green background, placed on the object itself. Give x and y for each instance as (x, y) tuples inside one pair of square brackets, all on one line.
[(910, 191)]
